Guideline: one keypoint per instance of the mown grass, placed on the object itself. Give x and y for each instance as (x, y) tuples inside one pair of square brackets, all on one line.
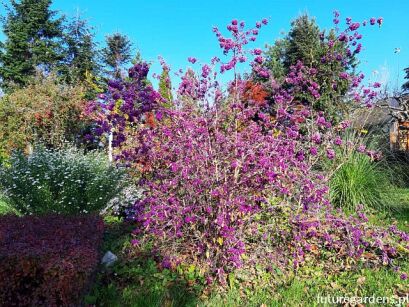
[(302, 291), (140, 283)]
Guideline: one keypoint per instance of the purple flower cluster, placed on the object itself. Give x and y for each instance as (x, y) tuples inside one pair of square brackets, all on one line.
[(125, 104), (234, 45)]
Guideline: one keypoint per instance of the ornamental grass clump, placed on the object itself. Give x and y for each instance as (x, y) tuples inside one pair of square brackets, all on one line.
[(359, 180), (232, 183)]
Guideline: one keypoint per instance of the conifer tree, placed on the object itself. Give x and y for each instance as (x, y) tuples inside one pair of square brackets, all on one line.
[(117, 53), (165, 87), (80, 58), (305, 42), (33, 41)]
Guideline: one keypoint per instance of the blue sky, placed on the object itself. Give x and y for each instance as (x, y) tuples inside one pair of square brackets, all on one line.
[(179, 29)]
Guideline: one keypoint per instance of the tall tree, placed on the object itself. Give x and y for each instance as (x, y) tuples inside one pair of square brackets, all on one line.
[(117, 53), (405, 86), (80, 58), (302, 43), (165, 87), (305, 42), (33, 40)]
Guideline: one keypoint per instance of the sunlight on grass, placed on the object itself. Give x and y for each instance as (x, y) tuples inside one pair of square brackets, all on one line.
[(4, 207)]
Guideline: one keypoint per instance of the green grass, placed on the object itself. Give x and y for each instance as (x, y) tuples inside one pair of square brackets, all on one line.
[(303, 291), (136, 281), (398, 213), (4, 206)]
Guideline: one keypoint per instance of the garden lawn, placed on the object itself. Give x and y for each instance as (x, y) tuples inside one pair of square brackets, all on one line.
[(138, 281)]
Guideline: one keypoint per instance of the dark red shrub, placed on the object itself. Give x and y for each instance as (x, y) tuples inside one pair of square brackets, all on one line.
[(47, 261)]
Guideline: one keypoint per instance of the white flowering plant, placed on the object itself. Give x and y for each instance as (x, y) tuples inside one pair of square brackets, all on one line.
[(66, 181)]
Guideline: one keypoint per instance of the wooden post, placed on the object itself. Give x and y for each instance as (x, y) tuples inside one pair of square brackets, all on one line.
[(110, 138)]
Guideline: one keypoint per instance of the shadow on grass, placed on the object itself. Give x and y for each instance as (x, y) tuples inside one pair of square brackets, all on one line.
[(136, 281), (114, 294)]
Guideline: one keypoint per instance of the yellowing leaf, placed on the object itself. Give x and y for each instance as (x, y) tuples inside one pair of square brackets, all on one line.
[(361, 280), (220, 241)]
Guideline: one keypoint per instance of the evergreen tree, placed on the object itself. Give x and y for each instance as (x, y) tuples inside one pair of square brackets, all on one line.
[(80, 57), (405, 86), (33, 41), (274, 58), (305, 42), (137, 58), (165, 87), (302, 43), (117, 53)]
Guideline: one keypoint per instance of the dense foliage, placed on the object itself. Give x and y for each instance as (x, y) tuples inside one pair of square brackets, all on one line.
[(47, 261), (360, 176), (80, 54), (60, 181), (165, 86), (40, 40), (34, 40), (116, 53), (332, 54), (248, 183), (45, 111)]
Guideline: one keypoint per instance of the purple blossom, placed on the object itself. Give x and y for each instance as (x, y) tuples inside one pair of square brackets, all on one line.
[(313, 151), (361, 148), (354, 26), (344, 75), (192, 60), (330, 153), (338, 141)]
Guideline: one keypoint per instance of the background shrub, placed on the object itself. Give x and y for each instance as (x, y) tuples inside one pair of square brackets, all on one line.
[(47, 261), (122, 204), (45, 111), (60, 181)]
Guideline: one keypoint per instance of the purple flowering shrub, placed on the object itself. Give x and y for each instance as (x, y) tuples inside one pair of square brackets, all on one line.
[(229, 183), (126, 104), (212, 174), (224, 191)]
